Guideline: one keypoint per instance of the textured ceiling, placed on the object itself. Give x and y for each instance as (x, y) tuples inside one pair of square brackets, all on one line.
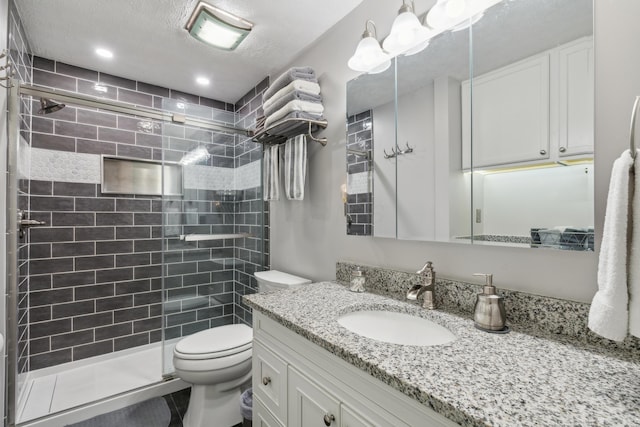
[(150, 44)]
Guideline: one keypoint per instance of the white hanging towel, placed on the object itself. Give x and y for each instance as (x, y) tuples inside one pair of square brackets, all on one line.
[(295, 167), (634, 257), (609, 315), (271, 173)]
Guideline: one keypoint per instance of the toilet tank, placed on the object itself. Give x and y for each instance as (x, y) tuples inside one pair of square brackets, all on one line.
[(274, 280)]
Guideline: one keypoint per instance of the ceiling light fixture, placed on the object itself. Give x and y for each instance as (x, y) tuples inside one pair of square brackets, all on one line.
[(105, 53), (202, 81), (408, 36), (369, 56), (217, 27)]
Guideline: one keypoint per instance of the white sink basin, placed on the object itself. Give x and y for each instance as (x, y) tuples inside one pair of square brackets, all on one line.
[(396, 328)]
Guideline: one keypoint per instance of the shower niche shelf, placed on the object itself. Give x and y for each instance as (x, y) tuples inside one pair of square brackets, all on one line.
[(279, 132), (199, 237)]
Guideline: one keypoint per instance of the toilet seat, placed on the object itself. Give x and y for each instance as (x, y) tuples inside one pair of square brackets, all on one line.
[(214, 343)]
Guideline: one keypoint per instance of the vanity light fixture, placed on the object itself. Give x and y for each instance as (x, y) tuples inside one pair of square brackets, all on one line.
[(455, 15), (408, 36), (369, 56), (217, 27)]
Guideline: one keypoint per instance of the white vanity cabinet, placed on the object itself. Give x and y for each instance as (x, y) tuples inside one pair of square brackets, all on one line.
[(298, 384), (536, 110)]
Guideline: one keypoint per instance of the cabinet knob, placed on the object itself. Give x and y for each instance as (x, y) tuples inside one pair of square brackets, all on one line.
[(543, 152), (328, 419), (563, 149), (266, 380)]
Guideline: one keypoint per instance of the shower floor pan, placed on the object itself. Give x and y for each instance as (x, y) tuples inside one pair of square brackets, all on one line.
[(80, 390)]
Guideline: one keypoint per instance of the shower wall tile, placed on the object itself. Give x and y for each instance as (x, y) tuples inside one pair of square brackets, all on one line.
[(99, 259), (249, 254), (359, 187)]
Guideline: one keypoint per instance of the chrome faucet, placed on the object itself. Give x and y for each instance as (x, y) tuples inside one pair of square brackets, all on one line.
[(427, 288)]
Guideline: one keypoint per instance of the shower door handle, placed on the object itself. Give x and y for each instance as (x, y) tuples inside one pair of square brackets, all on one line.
[(24, 223)]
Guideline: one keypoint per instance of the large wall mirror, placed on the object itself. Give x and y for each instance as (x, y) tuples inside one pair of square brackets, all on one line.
[(484, 137)]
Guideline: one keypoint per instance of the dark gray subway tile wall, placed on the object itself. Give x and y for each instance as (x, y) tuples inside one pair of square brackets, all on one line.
[(98, 266), (360, 205), (251, 254)]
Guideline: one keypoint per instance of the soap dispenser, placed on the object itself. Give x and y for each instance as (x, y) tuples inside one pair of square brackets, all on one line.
[(489, 314)]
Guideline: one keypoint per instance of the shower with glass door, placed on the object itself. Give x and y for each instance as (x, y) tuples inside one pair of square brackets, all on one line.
[(128, 228)]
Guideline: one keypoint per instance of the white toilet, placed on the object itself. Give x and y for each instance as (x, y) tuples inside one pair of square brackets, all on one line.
[(216, 362), (274, 280)]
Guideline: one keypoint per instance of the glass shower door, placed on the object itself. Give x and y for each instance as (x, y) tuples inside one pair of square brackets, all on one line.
[(213, 232)]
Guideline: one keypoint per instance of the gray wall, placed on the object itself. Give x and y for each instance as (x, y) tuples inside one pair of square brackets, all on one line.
[(309, 237)]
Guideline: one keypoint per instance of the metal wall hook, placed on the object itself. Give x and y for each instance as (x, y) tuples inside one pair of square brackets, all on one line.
[(407, 150), (397, 152), (393, 154)]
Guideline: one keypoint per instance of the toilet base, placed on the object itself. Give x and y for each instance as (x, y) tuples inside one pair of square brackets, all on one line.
[(208, 403)]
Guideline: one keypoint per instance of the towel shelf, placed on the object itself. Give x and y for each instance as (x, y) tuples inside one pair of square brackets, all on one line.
[(281, 131)]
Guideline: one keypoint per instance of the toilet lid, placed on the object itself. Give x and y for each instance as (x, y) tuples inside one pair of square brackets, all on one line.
[(217, 342)]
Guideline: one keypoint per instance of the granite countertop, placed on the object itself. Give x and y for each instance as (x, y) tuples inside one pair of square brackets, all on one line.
[(479, 379)]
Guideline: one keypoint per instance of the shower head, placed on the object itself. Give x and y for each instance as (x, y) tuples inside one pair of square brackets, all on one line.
[(48, 106)]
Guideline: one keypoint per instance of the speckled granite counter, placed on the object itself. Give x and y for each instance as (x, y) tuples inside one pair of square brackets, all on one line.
[(480, 379)]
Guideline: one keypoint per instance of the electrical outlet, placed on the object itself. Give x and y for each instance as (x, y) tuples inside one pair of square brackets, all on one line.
[(478, 216)]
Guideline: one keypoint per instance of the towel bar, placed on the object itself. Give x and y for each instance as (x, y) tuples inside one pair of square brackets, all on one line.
[(284, 129), (632, 130)]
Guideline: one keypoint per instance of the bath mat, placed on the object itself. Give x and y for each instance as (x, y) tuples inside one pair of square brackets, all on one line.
[(150, 413)]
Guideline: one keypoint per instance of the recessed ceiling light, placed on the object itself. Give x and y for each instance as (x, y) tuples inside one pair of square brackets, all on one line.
[(105, 53), (217, 27), (202, 81)]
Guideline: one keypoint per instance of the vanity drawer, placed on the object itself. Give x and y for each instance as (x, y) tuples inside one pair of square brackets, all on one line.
[(270, 381)]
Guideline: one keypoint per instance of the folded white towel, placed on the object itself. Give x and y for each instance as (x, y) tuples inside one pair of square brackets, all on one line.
[(296, 105), (295, 167), (271, 172), (303, 85), (608, 315), (288, 97), (634, 256), (295, 73)]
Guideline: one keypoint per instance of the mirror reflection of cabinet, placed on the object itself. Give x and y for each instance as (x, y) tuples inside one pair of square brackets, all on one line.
[(500, 122), (537, 110), (575, 98), (510, 115)]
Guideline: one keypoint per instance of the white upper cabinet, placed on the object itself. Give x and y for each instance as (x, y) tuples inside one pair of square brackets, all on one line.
[(510, 110), (537, 110), (575, 98)]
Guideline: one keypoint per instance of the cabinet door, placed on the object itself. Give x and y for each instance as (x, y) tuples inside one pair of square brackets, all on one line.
[(506, 114), (309, 404), (270, 380), (576, 98), (262, 417)]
